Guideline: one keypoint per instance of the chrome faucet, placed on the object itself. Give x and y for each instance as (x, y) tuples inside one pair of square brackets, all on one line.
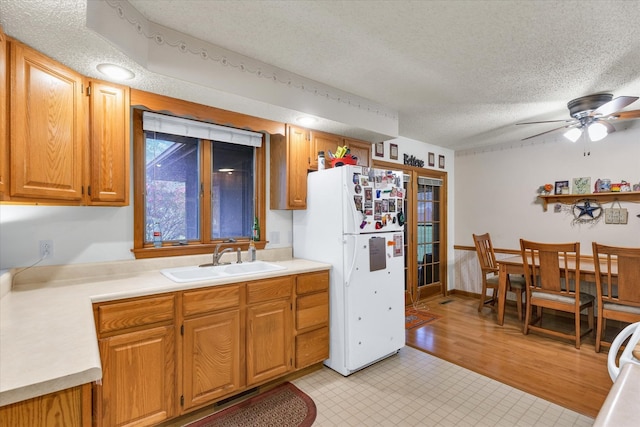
[(217, 254)]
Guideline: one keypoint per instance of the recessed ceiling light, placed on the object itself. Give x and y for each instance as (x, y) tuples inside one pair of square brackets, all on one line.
[(115, 71), (306, 120)]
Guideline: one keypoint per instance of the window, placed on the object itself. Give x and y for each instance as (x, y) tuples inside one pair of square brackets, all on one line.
[(201, 184), (172, 187), (232, 191)]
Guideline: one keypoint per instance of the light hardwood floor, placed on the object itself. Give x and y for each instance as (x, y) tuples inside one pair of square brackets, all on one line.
[(550, 368)]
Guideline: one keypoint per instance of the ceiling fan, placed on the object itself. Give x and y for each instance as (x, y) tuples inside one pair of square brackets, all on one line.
[(593, 114)]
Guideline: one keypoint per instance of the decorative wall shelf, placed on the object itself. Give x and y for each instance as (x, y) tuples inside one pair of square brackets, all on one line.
[(569, 199)]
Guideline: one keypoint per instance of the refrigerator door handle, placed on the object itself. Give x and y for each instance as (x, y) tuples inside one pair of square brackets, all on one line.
[(353, 260), (351, 216)]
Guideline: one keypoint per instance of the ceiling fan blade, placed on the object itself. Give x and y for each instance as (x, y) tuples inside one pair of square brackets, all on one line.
[(549, 131), (627, 115), (548, 121), (612, 106)]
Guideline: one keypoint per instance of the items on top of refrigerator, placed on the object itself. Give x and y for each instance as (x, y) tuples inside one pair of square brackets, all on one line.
[(342, 157)]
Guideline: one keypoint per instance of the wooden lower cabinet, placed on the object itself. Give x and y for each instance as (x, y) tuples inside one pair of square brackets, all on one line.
[(268, 341), (68, 408), (311, 319), (138, 377), (211, 357), (169, 354)]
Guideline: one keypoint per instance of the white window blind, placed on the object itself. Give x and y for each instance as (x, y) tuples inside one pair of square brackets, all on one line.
[(429, 181), (201, 130)]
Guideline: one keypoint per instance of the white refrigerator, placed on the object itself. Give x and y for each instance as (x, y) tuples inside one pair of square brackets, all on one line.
[(355, 221)]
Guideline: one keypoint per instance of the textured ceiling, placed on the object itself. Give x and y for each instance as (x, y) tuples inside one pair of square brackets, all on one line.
[(458, 74)]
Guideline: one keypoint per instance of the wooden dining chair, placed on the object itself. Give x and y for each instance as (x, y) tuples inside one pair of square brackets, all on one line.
[(552, 272), (617, 286), (489, 267)]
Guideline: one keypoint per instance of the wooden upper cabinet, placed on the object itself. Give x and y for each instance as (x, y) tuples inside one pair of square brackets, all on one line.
[(360, 149), (67, 144), (295, 154), (4, 108), (321, 141), (46, 140), (289, 166), (108, 151)]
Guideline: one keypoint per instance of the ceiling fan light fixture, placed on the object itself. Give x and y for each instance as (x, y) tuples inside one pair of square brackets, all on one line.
[(573, 134), (597, 131)]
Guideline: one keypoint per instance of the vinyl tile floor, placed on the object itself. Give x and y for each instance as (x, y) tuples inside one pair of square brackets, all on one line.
[(413, 388)]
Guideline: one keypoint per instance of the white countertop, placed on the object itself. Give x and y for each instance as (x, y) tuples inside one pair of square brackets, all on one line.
[(622, 405), (48, 340)]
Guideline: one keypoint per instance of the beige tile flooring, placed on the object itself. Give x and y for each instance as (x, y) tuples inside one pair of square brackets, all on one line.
[(413, 388)]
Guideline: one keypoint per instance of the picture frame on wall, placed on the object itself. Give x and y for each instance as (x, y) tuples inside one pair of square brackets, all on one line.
[(561, 187), (379, 149), (441, 162), (432, 159), (393, 151)]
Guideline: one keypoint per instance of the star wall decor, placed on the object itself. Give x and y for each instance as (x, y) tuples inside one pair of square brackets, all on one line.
[(586, 211)]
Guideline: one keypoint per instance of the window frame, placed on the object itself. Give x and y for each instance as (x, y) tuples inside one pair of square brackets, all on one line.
[(144, 101)]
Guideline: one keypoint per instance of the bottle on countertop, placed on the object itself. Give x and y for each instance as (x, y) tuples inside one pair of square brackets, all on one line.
[(252, 251), (255, 230), (157, 235)]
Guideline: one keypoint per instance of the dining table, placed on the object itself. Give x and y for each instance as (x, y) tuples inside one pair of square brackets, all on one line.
[(515, 265)]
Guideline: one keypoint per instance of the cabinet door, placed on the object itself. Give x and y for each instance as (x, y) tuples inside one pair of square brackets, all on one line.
[(269, 342), (46, 127), (138, 378), (109, 144), (69, 408), (4, 111), (297, 166), (322, 142), (212, 355), (360, 149)]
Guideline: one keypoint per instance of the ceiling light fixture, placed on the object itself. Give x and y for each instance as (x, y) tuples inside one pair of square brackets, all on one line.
[(115, 71), (573, 134), (597, 131), (306, 120)]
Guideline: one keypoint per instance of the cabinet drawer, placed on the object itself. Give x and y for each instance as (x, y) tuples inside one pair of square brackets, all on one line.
[(139, 312), (312, 282), (312, 310), (312, 347), (266, 290), (219, 298)]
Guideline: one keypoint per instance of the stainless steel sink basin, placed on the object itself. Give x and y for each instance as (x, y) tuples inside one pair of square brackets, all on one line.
[(195, 273)]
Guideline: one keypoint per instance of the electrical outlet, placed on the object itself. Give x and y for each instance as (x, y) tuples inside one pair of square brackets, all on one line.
[(46, 248)]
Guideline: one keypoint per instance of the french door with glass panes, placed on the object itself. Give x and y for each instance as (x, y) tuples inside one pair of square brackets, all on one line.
[(425, 232)]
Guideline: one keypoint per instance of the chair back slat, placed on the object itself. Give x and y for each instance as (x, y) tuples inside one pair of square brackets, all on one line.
[(552, 268), (617, 274), (486, 256)]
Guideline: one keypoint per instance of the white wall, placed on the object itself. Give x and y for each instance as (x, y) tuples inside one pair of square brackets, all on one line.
[(496, 192), (420, 150)]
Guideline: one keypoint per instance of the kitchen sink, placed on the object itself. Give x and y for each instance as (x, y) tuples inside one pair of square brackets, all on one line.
[(195, 273)]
